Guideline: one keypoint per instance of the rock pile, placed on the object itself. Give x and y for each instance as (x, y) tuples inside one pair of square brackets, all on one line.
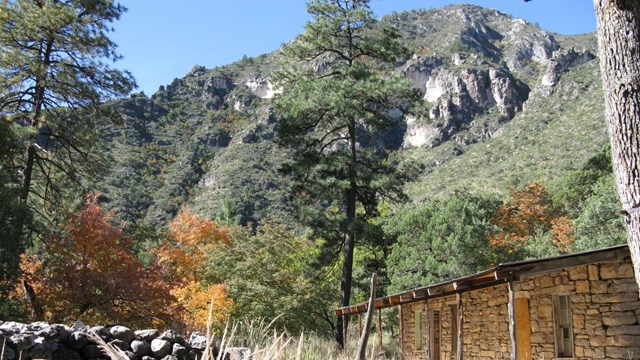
[(41, 340)]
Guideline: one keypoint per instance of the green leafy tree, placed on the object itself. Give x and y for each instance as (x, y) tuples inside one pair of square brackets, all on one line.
[(54, 74), (270, 275), (439, 240), (589, 196), (335, 100), (598, 224)]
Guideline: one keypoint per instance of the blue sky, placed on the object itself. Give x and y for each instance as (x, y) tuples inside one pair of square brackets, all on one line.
[(163, 39)]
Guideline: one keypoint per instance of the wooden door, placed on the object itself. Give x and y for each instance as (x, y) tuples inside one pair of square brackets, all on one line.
[(523, 329)]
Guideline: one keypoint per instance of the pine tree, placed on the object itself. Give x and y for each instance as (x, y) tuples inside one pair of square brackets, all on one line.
[(335, 100), (54, 74)]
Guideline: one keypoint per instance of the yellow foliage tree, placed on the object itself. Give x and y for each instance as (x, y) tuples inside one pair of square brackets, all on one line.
[(191, 239), (529, 212)]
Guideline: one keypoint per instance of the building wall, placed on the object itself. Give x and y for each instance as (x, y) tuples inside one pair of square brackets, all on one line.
[(604, 306)]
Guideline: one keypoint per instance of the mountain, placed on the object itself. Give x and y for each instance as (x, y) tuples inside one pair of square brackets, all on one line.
[(507, 103)]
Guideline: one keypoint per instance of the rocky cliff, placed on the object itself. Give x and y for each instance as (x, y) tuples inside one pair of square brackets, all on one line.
[(503, 98)]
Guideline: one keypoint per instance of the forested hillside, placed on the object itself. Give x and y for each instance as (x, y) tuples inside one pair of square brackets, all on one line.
[(196, 177)]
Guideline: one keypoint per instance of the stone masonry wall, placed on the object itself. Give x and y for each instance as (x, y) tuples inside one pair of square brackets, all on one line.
[(604, 305)]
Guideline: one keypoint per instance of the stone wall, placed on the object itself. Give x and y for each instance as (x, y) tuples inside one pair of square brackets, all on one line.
[(604, 305), (60, 342)]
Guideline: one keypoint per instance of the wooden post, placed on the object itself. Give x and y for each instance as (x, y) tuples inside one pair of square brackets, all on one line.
[(380, 330), (401, 330), (427, 329), (460, 318), (362, 344), (345, 336), (359, 325), (512, 322)]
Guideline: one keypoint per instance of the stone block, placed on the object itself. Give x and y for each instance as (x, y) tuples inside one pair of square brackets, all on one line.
[(614, 298), (623, 285), (628, 306), (619, 318), (545, 311), (613, 352), (578, 273), (598, 340), (578, 322), (599, 287), (623, 340), (582, 286), (558, 289), (616, 271), (623, 330), (562, 280), (526, 285), (593, 272), (546, 282)]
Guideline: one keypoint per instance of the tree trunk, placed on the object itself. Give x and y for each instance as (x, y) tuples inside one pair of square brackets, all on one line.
[(350, 236), (619, 51)]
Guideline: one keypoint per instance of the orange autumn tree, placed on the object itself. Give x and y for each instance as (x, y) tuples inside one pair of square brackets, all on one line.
[(89, 273), (191, 240), (530, 212)]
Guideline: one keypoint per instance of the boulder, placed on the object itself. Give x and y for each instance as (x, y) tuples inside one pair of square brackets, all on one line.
[(141, 347), (180, 352), (147, 335), (120, 344), (102, 331), (161, 348), (77, 340), (197, 340), (122, 333), (22, 342), (172, 337)]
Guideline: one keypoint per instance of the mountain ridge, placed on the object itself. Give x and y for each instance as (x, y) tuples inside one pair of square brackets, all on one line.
[(495, 87)]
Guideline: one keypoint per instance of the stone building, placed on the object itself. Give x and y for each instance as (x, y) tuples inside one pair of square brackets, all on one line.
[(577, 306)]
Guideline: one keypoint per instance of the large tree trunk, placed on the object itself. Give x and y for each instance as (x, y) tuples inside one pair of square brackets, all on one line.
[(619, 51), (350, 235)]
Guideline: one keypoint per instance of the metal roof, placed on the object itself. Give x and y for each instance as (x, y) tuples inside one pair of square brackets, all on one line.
[(499, 274)]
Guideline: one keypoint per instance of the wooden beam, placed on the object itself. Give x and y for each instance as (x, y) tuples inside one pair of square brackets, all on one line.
[(512, 322), (427, 329), (394, 299), (460, 323)]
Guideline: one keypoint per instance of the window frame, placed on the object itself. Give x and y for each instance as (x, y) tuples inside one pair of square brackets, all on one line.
[(436, 334), (563, 326), (418, 332)]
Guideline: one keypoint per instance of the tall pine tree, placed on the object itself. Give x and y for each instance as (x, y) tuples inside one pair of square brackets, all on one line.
[(54, 74), (336, 100)]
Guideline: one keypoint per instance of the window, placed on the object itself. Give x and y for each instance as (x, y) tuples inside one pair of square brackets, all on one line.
[(435, 335), (418, 329), (562, 321), (454, 330)]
